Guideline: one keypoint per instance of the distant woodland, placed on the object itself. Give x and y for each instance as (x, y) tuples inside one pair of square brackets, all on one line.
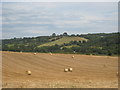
[(90, 44)]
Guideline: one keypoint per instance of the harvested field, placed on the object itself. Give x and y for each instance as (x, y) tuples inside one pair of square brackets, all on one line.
[(47, 71)]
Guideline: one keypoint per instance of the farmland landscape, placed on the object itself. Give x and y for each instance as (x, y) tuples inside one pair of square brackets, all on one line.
[(48, 71), (60, 45)]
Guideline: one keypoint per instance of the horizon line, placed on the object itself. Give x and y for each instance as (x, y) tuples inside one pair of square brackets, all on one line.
[(58, 35)]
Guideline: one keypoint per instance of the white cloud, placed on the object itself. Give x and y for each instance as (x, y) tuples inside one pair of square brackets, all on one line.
[(45, 18)]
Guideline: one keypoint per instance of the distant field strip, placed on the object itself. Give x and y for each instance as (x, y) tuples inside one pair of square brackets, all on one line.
[(63, 40)]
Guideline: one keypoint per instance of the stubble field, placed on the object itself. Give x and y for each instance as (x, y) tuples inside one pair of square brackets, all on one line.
[(48, 71)]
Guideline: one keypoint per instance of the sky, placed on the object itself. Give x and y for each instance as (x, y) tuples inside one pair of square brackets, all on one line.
[(31, 19)]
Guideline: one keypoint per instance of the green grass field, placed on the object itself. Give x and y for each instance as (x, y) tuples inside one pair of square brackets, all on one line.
[(70, 46), (63, 40)]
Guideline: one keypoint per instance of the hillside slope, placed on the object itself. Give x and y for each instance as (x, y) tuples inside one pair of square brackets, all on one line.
[(97, 44), (48, 71), (63, 40)]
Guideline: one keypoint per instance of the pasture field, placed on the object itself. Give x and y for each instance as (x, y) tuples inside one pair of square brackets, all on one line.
[(62, 41), (47, 70)]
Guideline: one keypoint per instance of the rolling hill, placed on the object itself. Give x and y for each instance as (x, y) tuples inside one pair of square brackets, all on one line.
[(63, 40), (96, 44)]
